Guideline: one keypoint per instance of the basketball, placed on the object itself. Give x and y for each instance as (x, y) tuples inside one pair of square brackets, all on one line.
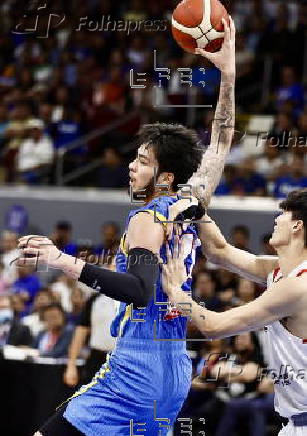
[(198, 24)]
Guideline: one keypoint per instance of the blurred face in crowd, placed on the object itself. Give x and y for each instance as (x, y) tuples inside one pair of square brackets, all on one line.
[(271, 152), (6, 312), (35, 134), (283, 122), (244, 342), (246, 291), (54, 319), (240, 239), (109, 234), (8, 241), (205, 286), (288, 76), (17, 303), (42, 300), (297, 167)]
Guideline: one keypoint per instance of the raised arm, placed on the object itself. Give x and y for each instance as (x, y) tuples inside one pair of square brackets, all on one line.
[(206, 179), (220, 252)]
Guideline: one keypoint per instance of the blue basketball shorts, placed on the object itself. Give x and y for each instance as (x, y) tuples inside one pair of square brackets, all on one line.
[(140, 390)]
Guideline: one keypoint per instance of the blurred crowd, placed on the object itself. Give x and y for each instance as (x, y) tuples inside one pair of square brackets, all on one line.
[(73, 76), (47, 314)]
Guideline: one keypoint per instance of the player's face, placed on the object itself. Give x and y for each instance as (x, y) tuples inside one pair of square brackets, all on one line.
[(142, 169), (283, 230)]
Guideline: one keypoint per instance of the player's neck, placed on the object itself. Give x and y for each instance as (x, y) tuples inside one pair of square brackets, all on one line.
[(290, 256), (160, 193)]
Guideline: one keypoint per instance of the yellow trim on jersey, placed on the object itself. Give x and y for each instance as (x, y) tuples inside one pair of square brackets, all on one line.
[(124, 320), (155, 214), (122, 244)]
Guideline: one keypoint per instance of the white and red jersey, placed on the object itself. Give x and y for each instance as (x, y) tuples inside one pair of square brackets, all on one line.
[(287, 356)]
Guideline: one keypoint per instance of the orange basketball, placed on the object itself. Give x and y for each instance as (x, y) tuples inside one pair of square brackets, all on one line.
[(198, 24)]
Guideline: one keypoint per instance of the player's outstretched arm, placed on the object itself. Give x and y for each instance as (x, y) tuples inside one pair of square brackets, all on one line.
[(220, 252), (206, 179), (136, 286), (282, 299)]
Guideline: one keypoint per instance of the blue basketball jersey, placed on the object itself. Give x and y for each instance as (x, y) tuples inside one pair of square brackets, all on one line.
[(151, 322)]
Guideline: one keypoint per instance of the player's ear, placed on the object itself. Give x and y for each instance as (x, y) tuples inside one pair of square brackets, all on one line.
[(166, 178), (299, 225)]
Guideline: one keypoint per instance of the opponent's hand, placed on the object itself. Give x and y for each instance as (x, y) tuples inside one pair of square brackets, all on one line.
[(38, 250), (224, 59), (174, 272), (176, 209)]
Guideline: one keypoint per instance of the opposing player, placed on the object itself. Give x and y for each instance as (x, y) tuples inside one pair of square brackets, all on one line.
[(282, 308), (147, 377)]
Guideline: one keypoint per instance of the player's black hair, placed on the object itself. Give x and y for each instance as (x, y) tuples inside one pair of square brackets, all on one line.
[(296, 202), (176, 148)]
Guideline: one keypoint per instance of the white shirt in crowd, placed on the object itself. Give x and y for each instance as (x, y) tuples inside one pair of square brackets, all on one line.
[(33, 154)]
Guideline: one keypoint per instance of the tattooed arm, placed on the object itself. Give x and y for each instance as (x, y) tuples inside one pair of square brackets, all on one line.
[(207, 177)]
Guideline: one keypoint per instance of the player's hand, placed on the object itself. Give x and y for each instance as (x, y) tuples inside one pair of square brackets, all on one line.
[(38, 250), (174, 272), (224, 59), (71, 376), (176, 209)]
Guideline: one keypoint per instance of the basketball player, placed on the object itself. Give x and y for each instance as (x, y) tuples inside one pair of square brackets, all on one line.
[(147, 377), (282, 308)]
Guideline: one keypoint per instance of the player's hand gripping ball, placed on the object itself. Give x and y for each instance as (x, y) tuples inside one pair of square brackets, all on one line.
[(198, 24)]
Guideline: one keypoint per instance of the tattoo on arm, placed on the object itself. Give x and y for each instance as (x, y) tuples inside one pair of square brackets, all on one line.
[(207, 177)]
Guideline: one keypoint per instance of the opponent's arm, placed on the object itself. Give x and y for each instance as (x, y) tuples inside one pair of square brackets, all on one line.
[(135, 286), (282, 299), (207, 177), (220, 252)]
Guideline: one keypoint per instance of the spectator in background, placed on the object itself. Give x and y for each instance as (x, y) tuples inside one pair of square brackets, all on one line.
[(14, 134), (77, 299), (281, 132), (27, 285), (248, 181), (11, 331), (110, 236), (290, 90), (62, 289), (268, 163), (35, 155), (112, 173), (55, 339), (9, 253), (246, 291), (267, 248), (95, 321), (240, 236), (35, 319), (295, 179), (239, 373), (61, 237), (18, 306), (205, 291), (3, 283)]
